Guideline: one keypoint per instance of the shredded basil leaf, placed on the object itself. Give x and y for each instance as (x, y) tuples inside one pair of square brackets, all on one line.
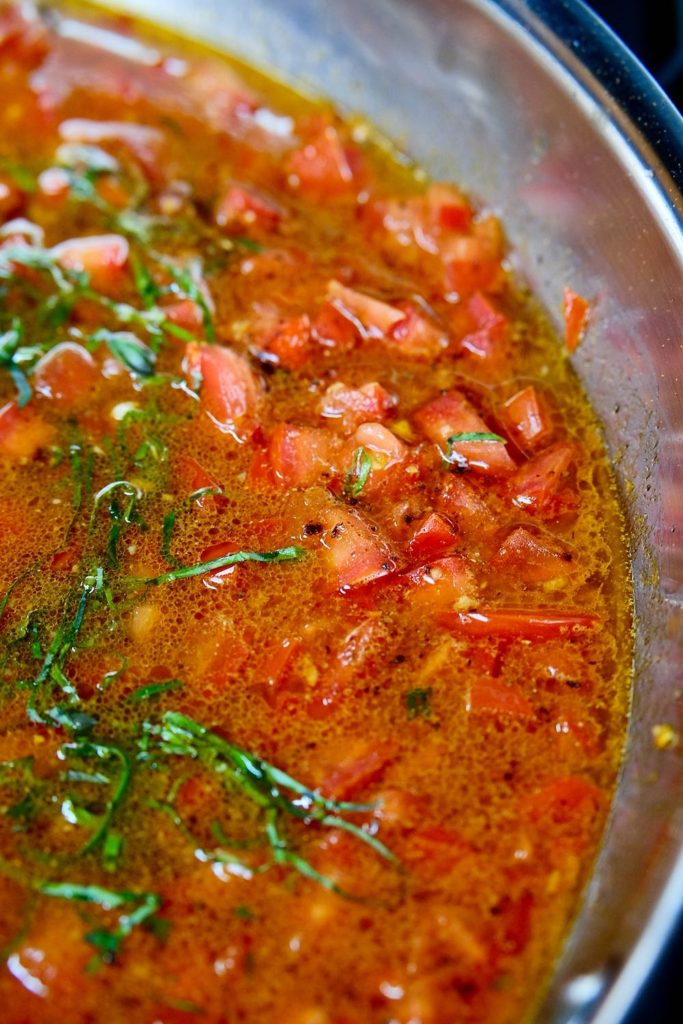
[(357, 476)]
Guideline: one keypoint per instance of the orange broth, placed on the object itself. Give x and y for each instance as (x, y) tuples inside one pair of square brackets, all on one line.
[(315, 629)]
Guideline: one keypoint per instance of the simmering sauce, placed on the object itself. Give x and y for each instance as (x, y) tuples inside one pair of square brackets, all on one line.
[(314, 638)]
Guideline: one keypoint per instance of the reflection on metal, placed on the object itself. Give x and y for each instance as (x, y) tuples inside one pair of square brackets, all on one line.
[(526, 105)]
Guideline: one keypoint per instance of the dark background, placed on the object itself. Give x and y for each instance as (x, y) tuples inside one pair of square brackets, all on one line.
[(653, 30)]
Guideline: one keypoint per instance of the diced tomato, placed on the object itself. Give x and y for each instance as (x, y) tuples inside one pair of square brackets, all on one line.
[(511, 623), (436, 849), (400, 809), (219, 576), (11, 197), (261, 475), (218, 655), (492, 696), (533, 558), (384, 448), (536, 485), (66, 559), (220, 95), (245, 207), (416, 336), (443, 584), (574, 727), (274, 666), (566, 800), (473, 261), (141, 141), (461, 503), (423, 221), (300, 455), (101, 257), (575, 318), (526, 416), (451, 414), (334, 330), (517, 919), (23, 433), (191, 477), (351, 407), (290, 341), (358, 771), (228, 390), (26, 33), (66, 375), (324, 168), (488, 341), (185, 313), (432, 536), (448, 207), (372, 317), (354, 549)]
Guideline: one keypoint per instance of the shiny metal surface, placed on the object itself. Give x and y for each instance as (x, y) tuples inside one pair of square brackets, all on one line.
[(526, 105)]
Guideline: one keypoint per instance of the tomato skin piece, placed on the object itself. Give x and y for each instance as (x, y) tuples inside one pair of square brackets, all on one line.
[(415, 336), (432, 536), (244, 206), (185, 313), (299, 455), (372, 317), (435, 849), (536, 485), (333, 330), (492, 696), (461, 503), (323, 168), (356, 773), (22, 433), (385, 449), (568, 799), (66, 375), (526, 417), (290, 341), (355, 553), (532, 558), (575, 309), (350, 407), (441, 585), (472, 262), (101, 257), (511, 623), (451, 414), (228, 390)]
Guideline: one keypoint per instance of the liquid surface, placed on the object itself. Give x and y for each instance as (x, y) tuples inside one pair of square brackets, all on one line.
[(315, 636)]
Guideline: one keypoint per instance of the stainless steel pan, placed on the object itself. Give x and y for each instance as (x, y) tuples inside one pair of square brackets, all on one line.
[(538, 109)]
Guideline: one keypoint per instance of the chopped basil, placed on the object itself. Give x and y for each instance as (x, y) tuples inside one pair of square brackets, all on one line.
[(418, 703), (137, 357), (274, 791), (139, 908), (287, 554), (156, 689), (357, 476)]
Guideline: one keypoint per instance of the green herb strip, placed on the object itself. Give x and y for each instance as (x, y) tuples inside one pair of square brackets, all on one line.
[(418, 703), (288, 554), (269, 787), (107, 942), (155, 689), (359, 473)]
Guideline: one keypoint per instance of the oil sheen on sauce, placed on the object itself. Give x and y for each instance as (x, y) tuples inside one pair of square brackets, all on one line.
[(315, 628)]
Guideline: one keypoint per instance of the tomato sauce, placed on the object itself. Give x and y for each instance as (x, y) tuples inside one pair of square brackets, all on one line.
[(315, 616)]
